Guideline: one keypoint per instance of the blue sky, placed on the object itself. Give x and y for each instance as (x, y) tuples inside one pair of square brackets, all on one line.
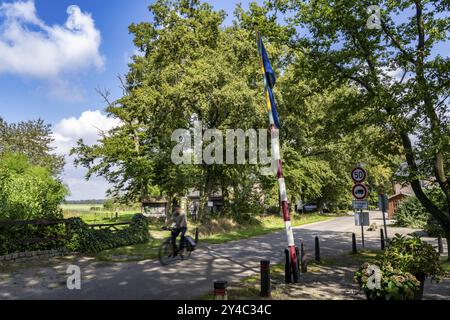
[(62, 53), (67, 98)]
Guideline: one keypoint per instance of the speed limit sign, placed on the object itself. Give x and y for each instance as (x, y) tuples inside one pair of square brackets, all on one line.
[(360, 192), (359, 175)]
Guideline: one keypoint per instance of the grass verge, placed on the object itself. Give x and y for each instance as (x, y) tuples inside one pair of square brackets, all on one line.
[(149, 250), (266, 225)]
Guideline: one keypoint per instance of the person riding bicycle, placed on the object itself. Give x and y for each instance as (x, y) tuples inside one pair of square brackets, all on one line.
[(179, 226)]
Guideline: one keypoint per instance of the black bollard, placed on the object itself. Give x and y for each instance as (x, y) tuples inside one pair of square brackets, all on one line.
[(297, 252), (287, 267), (317, 249), (196, 235), (383, 243), (354, 250), (220, 290), (265, 278), (303, 259), (440, 245)]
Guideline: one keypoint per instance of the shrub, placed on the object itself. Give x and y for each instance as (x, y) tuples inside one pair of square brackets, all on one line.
[(395, 284), (414, 256), (410, 213), (28, 192), (404, 267), (87, 240)]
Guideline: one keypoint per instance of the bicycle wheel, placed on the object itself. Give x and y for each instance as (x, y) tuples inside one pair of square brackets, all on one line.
[(186, 252), (166, 254)]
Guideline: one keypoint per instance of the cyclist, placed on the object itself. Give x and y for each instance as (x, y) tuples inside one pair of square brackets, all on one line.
[(179, 225)]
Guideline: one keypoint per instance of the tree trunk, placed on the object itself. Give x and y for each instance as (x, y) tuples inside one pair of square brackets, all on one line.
[(448, 246), (442, 217)]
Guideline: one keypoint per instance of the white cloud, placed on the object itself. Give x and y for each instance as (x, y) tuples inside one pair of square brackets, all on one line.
[(87, 127), (66, 134), (30, 47)]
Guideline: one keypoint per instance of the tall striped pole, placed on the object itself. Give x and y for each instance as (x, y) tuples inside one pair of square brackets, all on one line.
[(276, 157)]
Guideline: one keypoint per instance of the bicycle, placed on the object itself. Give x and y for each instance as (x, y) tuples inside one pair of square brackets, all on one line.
[(166, 250)]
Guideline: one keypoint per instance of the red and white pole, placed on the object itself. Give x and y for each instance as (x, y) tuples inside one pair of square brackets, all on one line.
[(276, 158)]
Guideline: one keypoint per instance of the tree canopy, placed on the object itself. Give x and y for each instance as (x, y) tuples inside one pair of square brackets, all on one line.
[(347, 94)]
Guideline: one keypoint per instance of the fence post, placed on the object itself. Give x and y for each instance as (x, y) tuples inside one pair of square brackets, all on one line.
[(287, 267), (383, 243), (440, 245), (317, 249), (265, 278), (303, 258), (354, 249), (220, 290)]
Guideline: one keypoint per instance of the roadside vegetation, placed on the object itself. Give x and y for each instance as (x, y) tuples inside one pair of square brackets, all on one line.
[(213, 232)]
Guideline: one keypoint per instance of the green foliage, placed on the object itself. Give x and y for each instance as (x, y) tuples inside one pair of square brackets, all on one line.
[(34, 140), (411, 213), (406, 260), (11, 236), (395, 284), (411, 254), (87, 240), (401, 82), (28, 191)]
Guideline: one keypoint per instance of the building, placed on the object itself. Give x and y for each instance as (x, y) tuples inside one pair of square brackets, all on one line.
[(401, 192)]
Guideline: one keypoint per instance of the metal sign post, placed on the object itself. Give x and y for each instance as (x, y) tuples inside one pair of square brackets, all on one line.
[(362, 219), (362, 229), (360, 194), (383, 205)]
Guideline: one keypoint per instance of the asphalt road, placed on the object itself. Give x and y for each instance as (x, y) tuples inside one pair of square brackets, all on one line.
[(146, 280)]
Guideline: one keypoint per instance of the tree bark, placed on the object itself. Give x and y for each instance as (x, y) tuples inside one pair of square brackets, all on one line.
[(437, 213)]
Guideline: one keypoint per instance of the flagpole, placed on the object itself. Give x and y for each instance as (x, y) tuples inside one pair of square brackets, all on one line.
[(276, 157)]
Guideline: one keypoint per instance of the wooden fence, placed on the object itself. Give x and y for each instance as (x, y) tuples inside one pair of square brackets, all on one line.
[(67, 234), (7, 224)]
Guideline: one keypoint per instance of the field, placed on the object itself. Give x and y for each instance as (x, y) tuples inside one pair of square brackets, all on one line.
[(96, 214)]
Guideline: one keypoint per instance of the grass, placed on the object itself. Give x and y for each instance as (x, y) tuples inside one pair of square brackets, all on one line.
[(266, 225), (445, 264), (149, 250), (138, 252), (98, 216)]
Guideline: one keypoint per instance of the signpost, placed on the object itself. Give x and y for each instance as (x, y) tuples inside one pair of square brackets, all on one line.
[(362, 219), (383, 205), (360, 193), (359, 175), (360, 205)]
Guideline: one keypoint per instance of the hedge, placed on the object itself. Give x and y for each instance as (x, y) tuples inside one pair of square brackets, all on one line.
[(87, 240), (83, 239)]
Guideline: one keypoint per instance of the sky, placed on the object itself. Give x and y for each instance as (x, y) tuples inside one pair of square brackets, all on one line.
[(54, 54)]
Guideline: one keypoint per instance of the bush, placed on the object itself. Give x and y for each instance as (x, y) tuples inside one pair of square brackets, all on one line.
[(28, 192), (83, 239), (11, 235), (410, 213), (404, 267), (394, 283), (414, 256), (87, 240)]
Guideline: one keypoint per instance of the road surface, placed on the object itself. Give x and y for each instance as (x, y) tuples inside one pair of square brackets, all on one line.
[(147, 280)]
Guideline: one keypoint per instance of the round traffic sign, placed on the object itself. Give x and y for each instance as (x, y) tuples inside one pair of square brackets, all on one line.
[(360, 192), (359, 175)]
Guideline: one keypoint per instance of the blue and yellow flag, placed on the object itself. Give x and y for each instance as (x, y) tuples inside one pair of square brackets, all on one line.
[(269, 81)]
